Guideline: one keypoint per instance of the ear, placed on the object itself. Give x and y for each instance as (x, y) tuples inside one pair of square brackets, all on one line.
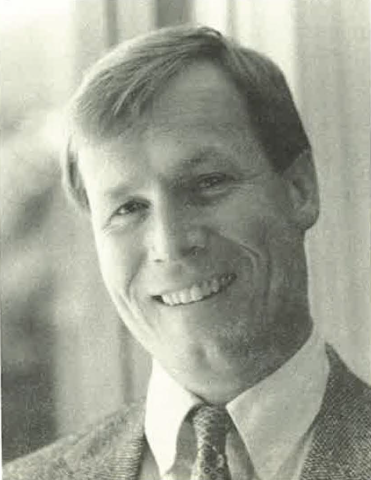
[(302, 185)]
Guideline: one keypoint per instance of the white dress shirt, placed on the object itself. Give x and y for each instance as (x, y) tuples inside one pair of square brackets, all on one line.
[(273, 421)]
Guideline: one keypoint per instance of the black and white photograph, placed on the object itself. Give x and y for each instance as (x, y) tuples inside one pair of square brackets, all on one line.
[(185, 285)]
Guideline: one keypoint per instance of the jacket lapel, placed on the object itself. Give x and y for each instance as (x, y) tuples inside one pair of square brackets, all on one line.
[(115, 453), (339, 449)]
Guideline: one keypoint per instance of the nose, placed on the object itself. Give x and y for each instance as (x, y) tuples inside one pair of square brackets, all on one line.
[(174, 232)]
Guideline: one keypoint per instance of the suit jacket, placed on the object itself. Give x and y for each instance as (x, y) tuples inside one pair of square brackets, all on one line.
[(340, 450)]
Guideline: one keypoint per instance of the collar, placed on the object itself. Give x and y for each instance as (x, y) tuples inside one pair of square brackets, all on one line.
[(272, 417), (168, 403)]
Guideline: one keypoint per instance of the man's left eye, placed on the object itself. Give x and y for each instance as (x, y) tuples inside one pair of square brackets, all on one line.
[(211, 180)]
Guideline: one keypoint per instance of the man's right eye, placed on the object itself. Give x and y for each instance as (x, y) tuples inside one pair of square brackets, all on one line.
[(129, 208)]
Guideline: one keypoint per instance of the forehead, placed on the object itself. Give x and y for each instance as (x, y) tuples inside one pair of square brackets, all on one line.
[(199, 109), (199, 96)]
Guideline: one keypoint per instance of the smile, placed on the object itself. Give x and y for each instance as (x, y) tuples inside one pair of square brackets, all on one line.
[(198, 291)]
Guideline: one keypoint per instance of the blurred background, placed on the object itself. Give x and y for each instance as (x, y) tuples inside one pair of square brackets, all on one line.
[(66, 357)]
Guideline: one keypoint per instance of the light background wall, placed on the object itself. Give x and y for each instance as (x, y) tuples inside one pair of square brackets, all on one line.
[(323, 47)]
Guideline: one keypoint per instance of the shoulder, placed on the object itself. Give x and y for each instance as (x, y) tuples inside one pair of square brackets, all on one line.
[(347, 395), (60, 459), (342, 441), (38, 465)]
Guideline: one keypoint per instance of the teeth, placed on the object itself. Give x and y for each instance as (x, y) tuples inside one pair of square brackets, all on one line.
[(225, 279), (215, 285), (197, 292), (184, 296), (175, 298), (166, 298), (205, 288)]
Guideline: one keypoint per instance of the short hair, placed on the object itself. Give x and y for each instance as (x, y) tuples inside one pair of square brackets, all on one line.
[(120, 87)]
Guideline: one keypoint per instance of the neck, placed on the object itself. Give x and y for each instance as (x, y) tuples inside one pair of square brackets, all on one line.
[(221, 385)]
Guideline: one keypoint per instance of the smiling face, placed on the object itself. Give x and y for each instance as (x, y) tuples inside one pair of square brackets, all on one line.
[(199, 240)]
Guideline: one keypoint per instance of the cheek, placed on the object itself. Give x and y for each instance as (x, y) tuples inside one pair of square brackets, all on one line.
[(249, 217), (259, 223), (119, 262), (262, 233), (241, 224)]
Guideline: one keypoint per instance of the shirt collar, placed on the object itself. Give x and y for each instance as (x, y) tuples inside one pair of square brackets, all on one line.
[(271, 417), (168, 404)]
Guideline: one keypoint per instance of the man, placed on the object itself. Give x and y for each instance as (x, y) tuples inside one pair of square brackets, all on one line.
[(189, 155)]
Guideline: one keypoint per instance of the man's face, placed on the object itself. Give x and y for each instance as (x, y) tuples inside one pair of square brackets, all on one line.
[(196, 233)]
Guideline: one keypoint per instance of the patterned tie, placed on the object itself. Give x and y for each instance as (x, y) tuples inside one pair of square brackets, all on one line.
[(211, 425)]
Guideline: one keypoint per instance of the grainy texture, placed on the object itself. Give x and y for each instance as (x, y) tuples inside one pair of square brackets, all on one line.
[(341, 448)]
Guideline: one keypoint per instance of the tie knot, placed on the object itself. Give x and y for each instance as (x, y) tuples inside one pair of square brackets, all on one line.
[(211, 424)]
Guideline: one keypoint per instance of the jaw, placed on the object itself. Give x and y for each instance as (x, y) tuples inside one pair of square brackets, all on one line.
[(219, 372), (223, 344)]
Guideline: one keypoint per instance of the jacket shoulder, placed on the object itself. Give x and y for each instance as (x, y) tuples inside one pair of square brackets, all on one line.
[(58, 460), (348, 398), (38, 465), (341, 445), (350, 409)]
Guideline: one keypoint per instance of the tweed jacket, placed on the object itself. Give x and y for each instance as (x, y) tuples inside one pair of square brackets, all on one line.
[(113, 450)]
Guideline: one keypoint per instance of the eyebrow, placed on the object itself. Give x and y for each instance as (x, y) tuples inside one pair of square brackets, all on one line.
[(119, 190), (198, 157), (205, 155)]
